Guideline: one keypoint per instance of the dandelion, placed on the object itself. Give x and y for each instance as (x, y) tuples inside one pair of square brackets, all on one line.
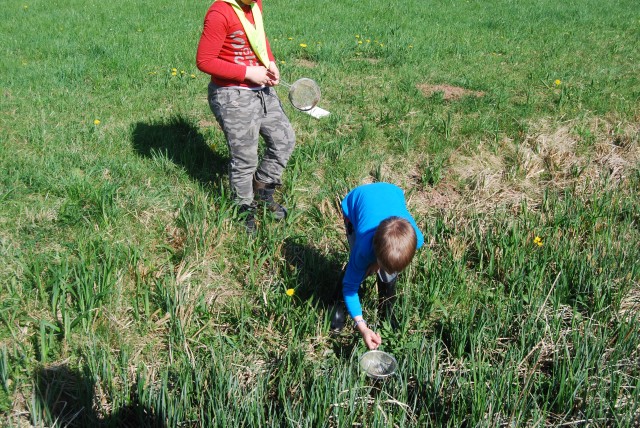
[(282, 61), (359, 42), (174, 73), (182, 72), (290, 292), (357, 36), (538, 241), (368, 40), (303, 45), (558, 82), (193, 76), (96, 122), (173, 70), (290, 38)]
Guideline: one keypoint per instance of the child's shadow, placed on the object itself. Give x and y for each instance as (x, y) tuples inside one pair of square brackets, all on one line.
[(319, 277), (182, 143)]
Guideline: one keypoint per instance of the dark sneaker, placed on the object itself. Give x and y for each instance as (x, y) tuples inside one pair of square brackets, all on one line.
[(246, 213), (264, 194), (338, 317)]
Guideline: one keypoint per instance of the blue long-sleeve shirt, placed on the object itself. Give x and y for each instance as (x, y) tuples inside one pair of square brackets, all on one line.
[(366, 207)]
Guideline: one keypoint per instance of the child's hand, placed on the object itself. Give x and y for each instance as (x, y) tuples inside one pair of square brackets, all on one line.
[(258, 75), (371, 339), (274, 74)]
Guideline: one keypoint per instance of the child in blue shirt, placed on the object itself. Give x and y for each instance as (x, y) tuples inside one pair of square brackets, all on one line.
[(383, 238)]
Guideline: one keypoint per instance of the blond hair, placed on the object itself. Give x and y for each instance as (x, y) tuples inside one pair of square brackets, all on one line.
[(394, 243)]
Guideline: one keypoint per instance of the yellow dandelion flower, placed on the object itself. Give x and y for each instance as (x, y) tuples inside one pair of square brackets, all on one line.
[(303, 45), (290, 291), (368, 40), (174, 69), (359, 42), (193, 76), (96, 122), (290, 38), (282, 62), (357, 36), (538, 241), (182, 72), (173, 73), (558, 82)]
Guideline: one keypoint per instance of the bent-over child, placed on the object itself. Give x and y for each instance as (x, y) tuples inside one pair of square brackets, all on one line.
[(383, 238)]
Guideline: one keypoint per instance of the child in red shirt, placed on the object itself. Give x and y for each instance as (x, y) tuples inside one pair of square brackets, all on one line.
[(234, 50)]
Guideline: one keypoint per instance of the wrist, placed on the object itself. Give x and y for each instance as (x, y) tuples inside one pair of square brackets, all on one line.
[(361, 325)]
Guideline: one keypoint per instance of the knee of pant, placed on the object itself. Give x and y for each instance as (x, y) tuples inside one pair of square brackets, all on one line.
[(246, 165)]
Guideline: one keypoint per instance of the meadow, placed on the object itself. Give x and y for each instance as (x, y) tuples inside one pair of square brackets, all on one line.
[(131, 296)]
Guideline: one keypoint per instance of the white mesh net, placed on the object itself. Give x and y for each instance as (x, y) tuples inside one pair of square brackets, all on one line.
[(304, 94)]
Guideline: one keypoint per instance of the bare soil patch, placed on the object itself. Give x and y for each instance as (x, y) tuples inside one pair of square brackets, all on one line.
[(207, 123), (449, 92), (305, 63)]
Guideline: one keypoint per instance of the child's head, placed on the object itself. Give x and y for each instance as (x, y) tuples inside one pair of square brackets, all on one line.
[(394, 243)]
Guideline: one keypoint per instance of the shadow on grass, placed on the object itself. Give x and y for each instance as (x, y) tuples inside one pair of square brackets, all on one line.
[(319, 277), (65, 397), (182, 143)]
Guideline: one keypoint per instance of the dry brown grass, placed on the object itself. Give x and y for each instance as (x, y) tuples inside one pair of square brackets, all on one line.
[(551, 156)]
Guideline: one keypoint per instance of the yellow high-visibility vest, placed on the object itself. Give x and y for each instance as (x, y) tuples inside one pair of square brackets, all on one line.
[(255, 34)]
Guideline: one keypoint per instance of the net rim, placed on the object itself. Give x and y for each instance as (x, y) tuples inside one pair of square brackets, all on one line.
[(311, 85)]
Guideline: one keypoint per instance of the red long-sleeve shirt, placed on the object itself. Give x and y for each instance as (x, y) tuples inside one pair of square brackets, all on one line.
[(224, 51)]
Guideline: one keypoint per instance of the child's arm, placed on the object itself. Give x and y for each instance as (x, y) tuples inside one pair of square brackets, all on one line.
[(351, 283), (208, 58)]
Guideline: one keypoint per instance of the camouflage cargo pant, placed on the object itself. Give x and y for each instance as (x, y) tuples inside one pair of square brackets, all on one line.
[(244, 115)]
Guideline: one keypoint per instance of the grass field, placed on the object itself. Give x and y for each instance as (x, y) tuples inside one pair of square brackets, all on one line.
[(131, 297)]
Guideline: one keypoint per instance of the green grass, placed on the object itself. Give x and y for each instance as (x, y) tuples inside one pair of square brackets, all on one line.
[(129, 295)]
